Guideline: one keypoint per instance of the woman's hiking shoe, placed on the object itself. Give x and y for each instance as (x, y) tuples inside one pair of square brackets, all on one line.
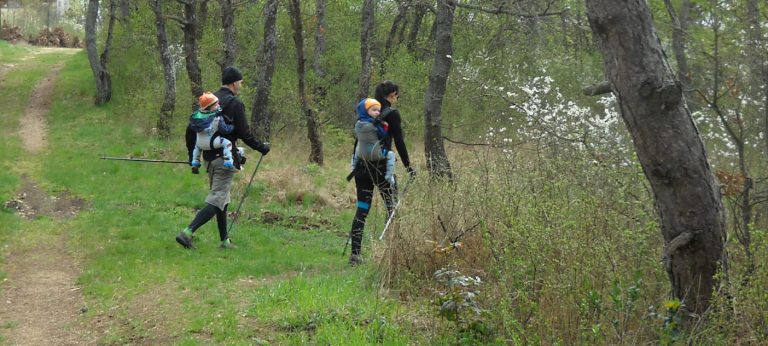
[(355, 260), (184, 240)]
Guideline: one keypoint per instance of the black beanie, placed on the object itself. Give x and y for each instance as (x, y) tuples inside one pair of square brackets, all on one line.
[(230, 75)]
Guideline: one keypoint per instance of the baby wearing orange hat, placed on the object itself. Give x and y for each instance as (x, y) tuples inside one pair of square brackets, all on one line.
[(209, 126), (369, 132)]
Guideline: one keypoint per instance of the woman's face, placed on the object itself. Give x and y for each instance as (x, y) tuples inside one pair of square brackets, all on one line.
[(393, 97)]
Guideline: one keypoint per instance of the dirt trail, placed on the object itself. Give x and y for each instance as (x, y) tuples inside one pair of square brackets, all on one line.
[(40, 303)]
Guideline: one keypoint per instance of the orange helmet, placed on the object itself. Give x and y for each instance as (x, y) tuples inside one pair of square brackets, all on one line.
[(207, 99)]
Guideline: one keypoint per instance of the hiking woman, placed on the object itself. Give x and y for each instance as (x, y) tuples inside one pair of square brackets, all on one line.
[(370, 174)]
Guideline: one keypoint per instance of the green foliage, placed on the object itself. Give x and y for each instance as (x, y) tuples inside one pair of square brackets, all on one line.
[(560, 225), (458, 301)]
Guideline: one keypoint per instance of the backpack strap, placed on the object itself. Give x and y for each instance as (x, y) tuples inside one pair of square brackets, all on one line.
[(385, 113), (224, 103), (213, 140)]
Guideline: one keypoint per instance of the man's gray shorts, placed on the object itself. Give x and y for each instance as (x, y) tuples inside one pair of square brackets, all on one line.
[(221, 179)]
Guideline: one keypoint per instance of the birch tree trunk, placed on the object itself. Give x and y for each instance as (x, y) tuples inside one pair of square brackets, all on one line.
[(437, 160), (169, 74), (260, 114), (228, 26), (667, 144), (316, 146), (99, 62)]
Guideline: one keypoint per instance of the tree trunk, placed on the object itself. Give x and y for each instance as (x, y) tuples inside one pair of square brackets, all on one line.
[(260, 114), (679, 40), (437, 160), (125, 10), (757, 46), (202, 19), (169, 102), (413, 36), (319, 39), (402, 11), (228, 25), (316, 146), (191, 55), (99, 63), (734, 126), (104, 57), (668, 146), (366, 35)]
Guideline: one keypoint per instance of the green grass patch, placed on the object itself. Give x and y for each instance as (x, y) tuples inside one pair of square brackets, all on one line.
[(10, 53), (285, 277), (20, 78)]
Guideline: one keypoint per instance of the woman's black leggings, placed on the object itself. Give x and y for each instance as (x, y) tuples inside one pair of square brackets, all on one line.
[(368, 175), (206, 214)]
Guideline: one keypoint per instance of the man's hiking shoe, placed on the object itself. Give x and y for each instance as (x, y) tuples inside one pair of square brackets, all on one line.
[(227, 245), (184, 240), (355, 260)]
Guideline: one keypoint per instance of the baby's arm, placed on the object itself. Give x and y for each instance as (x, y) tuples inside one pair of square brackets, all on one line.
[(225, 128)]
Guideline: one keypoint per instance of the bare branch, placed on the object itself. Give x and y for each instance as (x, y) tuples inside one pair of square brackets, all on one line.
[(463, 143), (177, 19)]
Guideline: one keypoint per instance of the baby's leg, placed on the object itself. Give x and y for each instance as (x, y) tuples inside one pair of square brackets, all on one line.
[(390, 173), (226, 146), (196, 156)]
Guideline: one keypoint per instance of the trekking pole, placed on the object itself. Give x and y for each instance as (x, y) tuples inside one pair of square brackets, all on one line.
[(142, 160), (237, 213), (394, 210)]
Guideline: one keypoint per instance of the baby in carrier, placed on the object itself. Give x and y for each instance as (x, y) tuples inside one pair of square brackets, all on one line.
[(210, 127), (369, 131)]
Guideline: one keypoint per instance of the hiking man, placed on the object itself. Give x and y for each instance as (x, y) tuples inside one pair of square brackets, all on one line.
[(220, 176)]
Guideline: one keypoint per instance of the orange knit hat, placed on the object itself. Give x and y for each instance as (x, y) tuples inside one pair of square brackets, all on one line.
[(371, 102), (207, 99)]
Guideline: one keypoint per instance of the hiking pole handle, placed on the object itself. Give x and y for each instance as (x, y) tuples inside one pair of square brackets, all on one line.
[(142, 160), (237, 213)]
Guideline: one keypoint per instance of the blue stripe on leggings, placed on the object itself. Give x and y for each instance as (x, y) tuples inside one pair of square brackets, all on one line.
[(363, 205)]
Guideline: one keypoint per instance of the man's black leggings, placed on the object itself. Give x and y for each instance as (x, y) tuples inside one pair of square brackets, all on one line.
[(206, 214), (368, 175)]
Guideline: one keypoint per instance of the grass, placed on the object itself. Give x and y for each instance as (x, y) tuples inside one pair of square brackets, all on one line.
[(287, 282), (21, 78), (567, 249)]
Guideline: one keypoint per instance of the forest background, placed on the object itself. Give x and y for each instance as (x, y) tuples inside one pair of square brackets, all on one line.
[(537, 223)]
